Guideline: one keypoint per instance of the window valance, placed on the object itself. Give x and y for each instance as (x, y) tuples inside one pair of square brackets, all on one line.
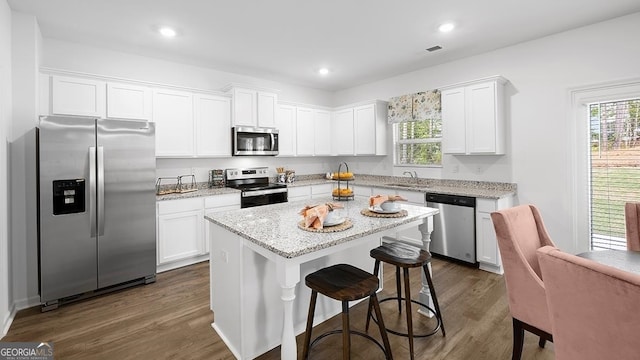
[(423, 105)]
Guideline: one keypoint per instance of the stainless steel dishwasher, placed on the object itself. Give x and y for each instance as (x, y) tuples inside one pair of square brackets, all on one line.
[(454, 228)]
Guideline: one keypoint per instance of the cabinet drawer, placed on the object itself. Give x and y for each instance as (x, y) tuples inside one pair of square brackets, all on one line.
[(221, 200), (176, 206), (323, 189), (360, 190), (485, 205), (414, 197), (294, 192)]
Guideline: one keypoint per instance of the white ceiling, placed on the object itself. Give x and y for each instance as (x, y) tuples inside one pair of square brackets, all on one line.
[(288, 40)]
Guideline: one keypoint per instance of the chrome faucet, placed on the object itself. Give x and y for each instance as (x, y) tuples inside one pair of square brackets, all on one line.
[(413, 175)]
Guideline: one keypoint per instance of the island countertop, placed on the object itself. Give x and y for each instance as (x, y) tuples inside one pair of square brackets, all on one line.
[(275, 227)]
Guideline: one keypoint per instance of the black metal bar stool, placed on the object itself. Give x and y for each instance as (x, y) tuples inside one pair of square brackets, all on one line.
[(406, 256), (344, 283)]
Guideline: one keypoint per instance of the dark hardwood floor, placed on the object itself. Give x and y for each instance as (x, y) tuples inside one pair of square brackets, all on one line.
[(171, 320)]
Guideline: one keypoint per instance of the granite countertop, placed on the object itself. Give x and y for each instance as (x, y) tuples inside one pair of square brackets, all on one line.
[(277, 229), (477, 189), (203, 190)]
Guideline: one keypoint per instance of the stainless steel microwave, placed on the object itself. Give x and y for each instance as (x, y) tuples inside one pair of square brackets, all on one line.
[(254, 141)]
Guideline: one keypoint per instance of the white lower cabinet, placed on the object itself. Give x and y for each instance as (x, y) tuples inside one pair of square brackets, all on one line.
[(487, 253), (218, 203), (321, 190), (182, 234), (180, 230), (299, 193), (361, 192)]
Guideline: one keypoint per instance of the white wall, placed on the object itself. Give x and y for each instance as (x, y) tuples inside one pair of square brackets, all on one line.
[(5, 138), (63, 55), (25, 50), (541, 74)]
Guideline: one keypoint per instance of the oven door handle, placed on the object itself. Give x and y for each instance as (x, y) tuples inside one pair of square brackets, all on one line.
[(263, 192)]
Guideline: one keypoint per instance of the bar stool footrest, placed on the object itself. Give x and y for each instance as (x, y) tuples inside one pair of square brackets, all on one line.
[(355, 332), (433, 332)]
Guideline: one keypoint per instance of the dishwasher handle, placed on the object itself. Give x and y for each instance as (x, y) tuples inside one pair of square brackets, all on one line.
[(451, 199)]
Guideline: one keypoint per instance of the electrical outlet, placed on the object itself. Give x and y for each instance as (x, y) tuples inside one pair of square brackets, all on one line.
[(455, 168), (225, 256), (478, 169)]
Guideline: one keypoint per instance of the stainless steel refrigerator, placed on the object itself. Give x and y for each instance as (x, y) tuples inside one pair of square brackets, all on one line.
[(96, 206)]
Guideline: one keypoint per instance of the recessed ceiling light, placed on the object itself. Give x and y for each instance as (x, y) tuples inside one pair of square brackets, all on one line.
[(167, 32), (446, 27), (323, 71)]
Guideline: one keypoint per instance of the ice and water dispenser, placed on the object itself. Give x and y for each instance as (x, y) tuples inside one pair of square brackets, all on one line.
[(68, 196)]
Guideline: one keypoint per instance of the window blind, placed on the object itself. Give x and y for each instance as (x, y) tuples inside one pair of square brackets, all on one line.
[(417, 120), (614, 169)]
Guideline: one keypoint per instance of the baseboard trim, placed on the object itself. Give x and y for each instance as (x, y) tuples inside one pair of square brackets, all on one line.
[(181, 263), (8, 320), (26, 303)]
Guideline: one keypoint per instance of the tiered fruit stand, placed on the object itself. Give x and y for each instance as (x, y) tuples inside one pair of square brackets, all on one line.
[(343, 192)]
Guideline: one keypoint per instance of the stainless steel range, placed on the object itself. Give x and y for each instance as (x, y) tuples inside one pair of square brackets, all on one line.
[(255, 187)]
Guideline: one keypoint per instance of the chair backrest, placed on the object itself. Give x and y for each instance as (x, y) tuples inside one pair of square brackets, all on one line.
[(592, 307), (520, 232), (632, 222)]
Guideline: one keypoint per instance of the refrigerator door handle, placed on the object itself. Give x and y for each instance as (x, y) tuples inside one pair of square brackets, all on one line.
[(92, 190), (100, 190)]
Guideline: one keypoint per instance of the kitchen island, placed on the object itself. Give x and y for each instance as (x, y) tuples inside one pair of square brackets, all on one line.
[(259, 255)]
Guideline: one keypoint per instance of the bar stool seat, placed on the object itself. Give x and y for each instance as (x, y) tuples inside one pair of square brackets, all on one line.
[(344, 283), (406, 256)]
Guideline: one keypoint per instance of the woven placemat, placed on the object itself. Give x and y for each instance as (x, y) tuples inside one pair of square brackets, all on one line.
[(367, 212), (347, 224)]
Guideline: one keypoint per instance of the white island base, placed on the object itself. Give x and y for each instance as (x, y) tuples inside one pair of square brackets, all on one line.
[(247, 299), (259, 259)]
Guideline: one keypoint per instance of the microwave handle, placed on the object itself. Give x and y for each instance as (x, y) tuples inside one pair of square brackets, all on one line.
[(273, 141)]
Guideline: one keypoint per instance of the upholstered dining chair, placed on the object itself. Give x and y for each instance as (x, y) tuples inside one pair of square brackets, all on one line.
[(591, 306), (520, 232), (632, 223)]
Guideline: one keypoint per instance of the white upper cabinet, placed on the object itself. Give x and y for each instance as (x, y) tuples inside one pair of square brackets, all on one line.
[(267, 108), (342, 127), (360, 130), (313, 132), (364, 118), (473, 118), (244, 111), (322, 132), (212, 116), (253, 107), (125, 101), (453, 121), (286, 125), (305, 137), (77, 96), (173, 115)]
